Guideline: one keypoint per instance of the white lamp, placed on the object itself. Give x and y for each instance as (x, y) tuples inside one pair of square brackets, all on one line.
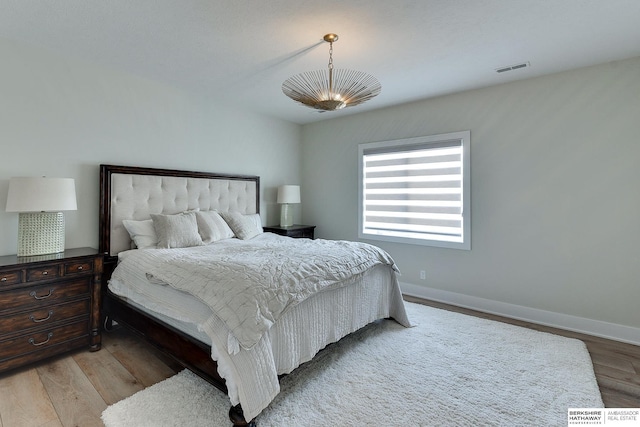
[(39, 201), (287, 194)]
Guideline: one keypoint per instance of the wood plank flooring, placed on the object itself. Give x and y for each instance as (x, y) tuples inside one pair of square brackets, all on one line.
[(73, 390)]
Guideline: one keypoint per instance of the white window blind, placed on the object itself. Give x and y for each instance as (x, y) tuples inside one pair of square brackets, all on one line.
[(414, 190)]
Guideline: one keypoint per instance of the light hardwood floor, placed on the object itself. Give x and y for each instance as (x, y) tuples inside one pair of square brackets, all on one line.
[(73, 390)]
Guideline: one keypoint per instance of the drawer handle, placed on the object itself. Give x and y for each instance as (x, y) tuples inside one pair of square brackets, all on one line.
[(4, 279), (33, 319), (33, 294), (44, 273), (80, 268), (34, 343)]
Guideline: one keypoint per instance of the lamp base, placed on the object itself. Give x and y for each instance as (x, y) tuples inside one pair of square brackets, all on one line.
[(286, 216), (40, 233)]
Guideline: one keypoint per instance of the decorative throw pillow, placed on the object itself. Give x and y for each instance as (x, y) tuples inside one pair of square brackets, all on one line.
[(256, 220), (177, 231), (212, 227), (244, 226), (142, 233)]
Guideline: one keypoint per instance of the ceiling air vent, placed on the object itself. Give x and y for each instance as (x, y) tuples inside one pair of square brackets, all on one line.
[(513, 67)]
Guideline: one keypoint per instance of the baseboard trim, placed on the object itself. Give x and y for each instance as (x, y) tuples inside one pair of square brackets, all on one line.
[(612, 331)]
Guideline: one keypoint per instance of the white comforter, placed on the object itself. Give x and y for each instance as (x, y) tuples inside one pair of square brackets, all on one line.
[(273, 283), (249, 286)]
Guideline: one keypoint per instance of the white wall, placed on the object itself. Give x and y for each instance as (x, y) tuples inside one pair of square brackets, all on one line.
[(555, 201), (62, 117)]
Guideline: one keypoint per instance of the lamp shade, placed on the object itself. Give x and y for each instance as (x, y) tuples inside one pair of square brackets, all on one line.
[(288, 194), (41, 194)]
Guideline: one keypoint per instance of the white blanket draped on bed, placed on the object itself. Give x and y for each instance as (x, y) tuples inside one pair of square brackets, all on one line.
[(278, 276)]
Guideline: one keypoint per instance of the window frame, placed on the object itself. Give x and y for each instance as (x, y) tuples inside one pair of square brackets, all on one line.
[(410, 143)]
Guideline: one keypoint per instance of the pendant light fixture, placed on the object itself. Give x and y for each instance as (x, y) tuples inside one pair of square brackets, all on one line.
[(331, 89)]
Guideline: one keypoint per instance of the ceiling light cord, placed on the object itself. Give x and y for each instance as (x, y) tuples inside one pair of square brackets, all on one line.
[(331, 69)]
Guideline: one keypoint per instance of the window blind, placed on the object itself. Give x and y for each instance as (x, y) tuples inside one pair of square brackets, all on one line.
[(414, 191)]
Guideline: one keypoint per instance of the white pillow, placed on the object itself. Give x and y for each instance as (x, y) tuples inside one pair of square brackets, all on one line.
[(212, 227), (177, 231), (142, 233), (244, 226), (257, 221)]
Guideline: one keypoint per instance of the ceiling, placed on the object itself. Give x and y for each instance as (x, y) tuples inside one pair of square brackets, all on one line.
[(238, 52)]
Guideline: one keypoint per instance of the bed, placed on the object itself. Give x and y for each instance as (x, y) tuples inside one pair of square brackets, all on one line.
[(240, 335)]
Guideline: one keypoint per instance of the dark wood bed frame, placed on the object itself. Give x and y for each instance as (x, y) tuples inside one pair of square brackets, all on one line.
[(189, 352)]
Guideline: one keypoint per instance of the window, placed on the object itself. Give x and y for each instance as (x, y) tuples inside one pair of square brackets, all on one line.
[(416, 190)]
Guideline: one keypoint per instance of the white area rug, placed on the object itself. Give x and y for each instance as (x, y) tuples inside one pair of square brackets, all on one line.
[(448, 370)]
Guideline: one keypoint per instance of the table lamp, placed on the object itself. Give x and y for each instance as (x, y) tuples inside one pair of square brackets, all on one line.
[(287, 194), (39, 200)]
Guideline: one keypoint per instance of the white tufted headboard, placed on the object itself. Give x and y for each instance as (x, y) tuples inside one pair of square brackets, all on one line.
[(128, 192)]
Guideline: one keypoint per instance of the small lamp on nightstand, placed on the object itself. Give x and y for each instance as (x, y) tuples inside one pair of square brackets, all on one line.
[(287, 194), (39, 201)]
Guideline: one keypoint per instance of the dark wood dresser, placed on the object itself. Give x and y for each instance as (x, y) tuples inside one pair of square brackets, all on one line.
[(296, 230), (49, 304)]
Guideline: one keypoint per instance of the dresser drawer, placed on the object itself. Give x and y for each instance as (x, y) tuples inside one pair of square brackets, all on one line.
[(42, 317), (301, 234), (78, 267), (42, 273), (10, 278), (39, 296), (41, 340)]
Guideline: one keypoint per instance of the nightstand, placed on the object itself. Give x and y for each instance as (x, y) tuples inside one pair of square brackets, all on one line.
[(49, 304), (296, 230)]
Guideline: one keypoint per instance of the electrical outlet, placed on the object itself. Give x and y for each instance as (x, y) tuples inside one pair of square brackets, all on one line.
[(423, 275)]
